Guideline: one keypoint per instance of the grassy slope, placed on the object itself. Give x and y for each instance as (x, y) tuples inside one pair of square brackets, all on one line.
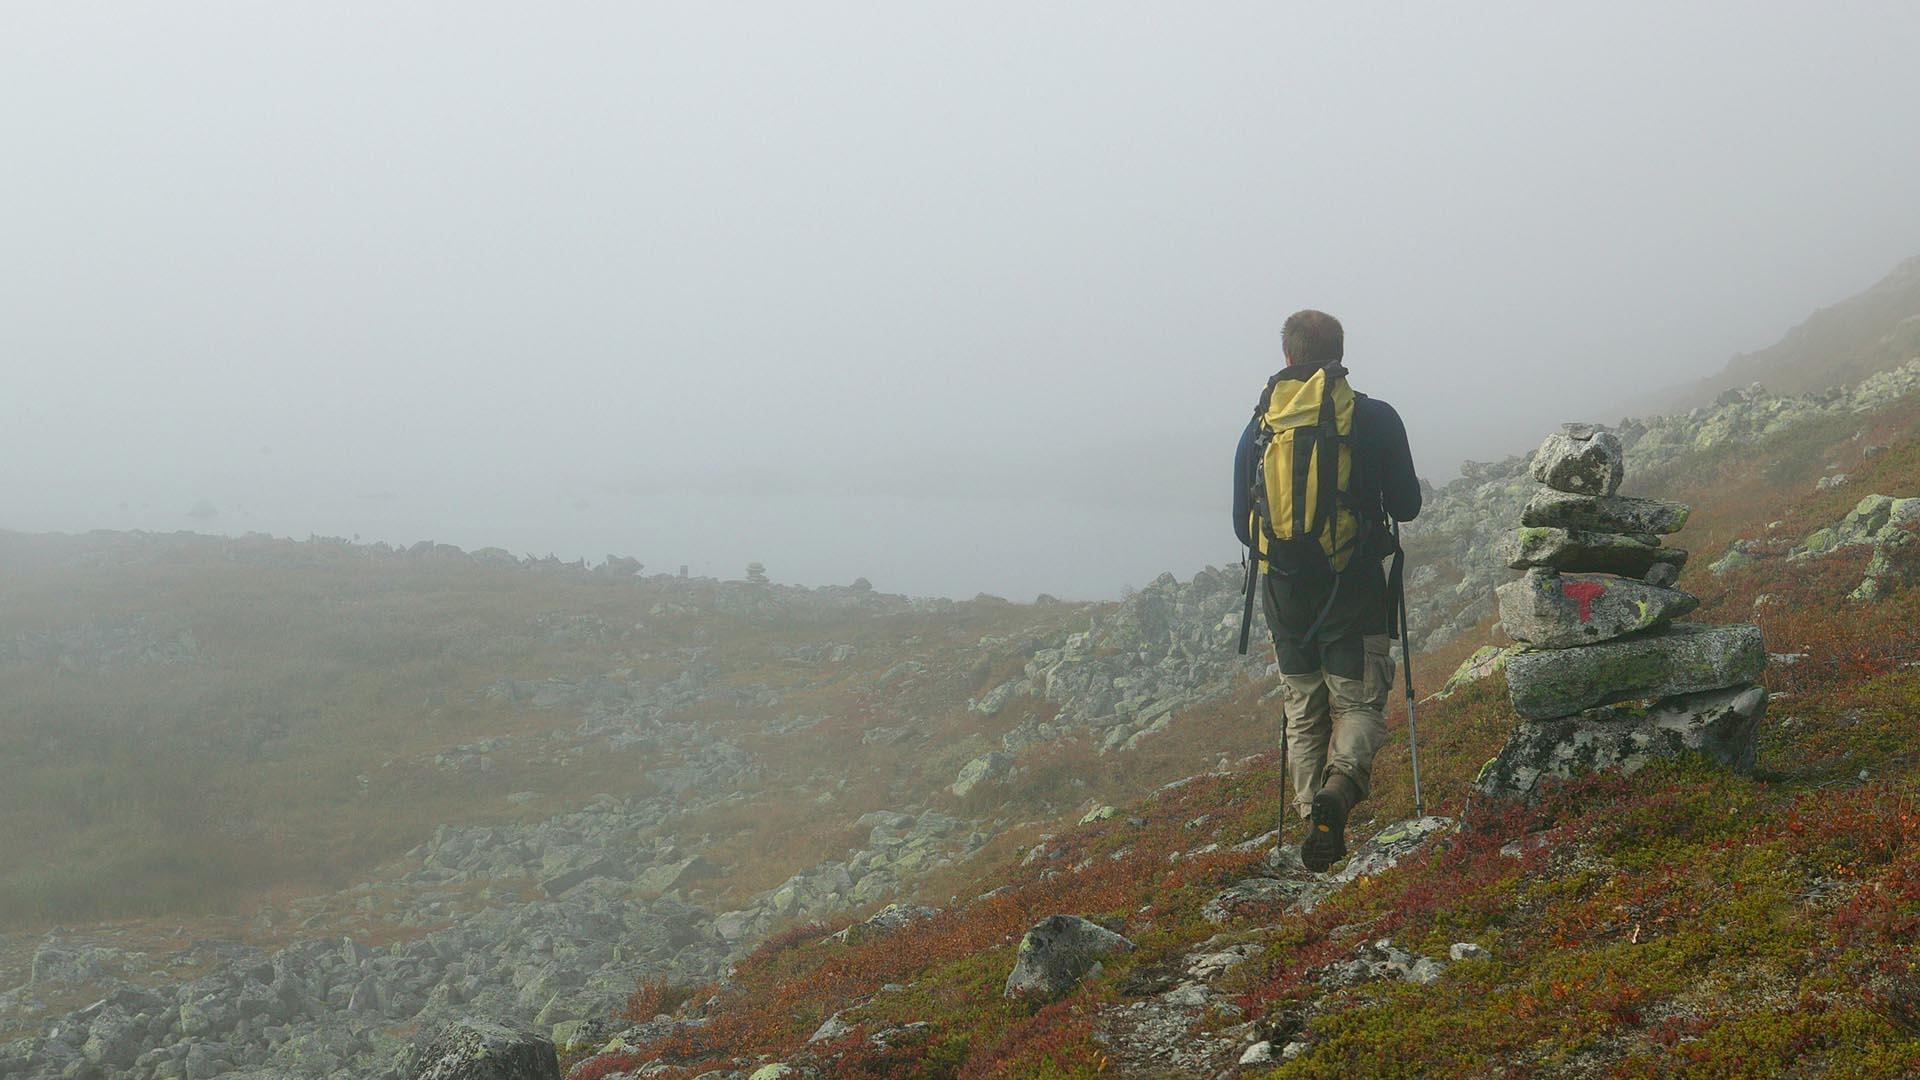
[(1681, 921)]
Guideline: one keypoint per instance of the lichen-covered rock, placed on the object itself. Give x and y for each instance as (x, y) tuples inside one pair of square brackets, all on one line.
[(980, 770), (1895, 565), (1057, 953), (1550, 610), (1582, 459), (1384, 850), (1580, 552), (1486, 660), (1739, 555), (479, 1050), (1603, 513), (1684, 658), (1719, 724), (1883, 522), (1872, 520)]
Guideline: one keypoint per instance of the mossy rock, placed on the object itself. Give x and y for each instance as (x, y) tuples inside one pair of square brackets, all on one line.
[(1684, 658), (1579, 551), (1603, 513)]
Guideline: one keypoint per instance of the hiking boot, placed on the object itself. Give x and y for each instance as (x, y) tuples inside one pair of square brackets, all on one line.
[(1326, 841)]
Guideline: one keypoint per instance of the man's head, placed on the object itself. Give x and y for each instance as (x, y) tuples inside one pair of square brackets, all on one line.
[(1312, 339)]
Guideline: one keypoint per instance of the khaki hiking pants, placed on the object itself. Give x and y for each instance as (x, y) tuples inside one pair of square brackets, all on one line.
[(1336, 724)]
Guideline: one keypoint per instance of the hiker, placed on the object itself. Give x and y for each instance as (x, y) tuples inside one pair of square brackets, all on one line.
[(1319, 471)]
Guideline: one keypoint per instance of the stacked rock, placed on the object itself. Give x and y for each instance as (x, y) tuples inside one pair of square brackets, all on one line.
[(1594, 612)]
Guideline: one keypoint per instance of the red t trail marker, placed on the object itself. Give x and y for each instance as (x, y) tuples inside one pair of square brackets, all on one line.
[(1584, 593)]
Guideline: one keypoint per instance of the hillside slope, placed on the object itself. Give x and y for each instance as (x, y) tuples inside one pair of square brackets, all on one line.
[(278, 809), (1679, 921), (1836, 346)]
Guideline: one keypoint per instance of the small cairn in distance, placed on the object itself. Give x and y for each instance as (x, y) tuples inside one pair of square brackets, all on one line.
[(1595, 612)]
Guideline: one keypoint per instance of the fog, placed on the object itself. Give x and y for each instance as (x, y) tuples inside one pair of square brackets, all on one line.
[(957, 297)]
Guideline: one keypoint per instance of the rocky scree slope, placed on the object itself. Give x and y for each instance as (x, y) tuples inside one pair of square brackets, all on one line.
[(547, 920)]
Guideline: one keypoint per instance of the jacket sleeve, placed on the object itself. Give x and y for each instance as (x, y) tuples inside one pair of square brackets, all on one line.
[(1399, 487), (1243, 483)]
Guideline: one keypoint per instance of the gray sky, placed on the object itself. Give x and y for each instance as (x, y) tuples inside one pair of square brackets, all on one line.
[(958, 297)]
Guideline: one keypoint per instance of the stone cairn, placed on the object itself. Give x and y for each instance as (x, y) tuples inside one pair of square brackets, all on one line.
[(1594, 615)]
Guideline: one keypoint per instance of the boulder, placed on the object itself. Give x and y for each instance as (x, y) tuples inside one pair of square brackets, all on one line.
[(1579, 551), (479, 1050), (834, 1027), (1740, 555), (1581, 459), (1719, 724), (1057, 953), (1684, 658), (1895, 565), (1870, 521), (670, 875), (888, 920), (981, 769), (113, 1039), (54, 962), (1881, 521), (559, 883), (1603, 513), (1550, 610)]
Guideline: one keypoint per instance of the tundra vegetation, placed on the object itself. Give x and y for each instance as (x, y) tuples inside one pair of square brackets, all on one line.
[(1680, 920)]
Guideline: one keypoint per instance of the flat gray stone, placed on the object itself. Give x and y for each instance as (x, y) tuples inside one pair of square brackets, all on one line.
[(1253, 894), (1582, 459), (1684, 658), (567, 879), (1603, 513), (1581, 552), (1719, 724), (1550, 610)]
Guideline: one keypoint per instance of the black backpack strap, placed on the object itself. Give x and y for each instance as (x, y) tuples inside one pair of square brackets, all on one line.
[(1257, 505), (1326, 443), (1246, 613)]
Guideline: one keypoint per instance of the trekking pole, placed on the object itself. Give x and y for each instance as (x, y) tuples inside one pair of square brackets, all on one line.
[(1286, 786), (1406, 662)]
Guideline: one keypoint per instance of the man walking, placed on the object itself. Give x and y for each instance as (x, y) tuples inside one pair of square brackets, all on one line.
[(1318, 473)]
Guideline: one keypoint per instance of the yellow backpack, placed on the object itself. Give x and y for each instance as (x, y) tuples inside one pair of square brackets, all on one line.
[(1302, 487)]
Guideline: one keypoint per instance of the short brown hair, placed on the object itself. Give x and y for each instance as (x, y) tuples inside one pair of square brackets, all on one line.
[(1312, 339)]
